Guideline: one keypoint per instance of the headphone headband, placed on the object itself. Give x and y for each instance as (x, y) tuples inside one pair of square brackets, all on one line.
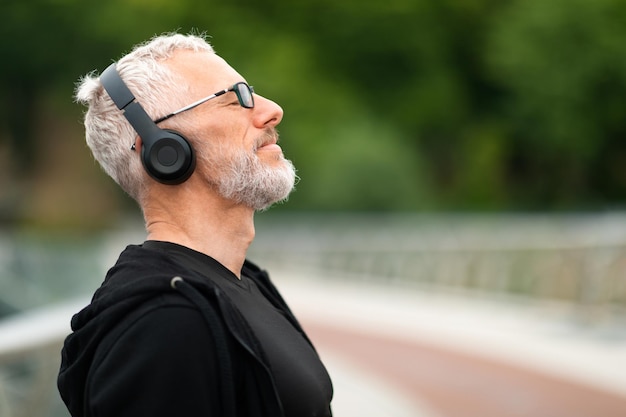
[(125, 100)]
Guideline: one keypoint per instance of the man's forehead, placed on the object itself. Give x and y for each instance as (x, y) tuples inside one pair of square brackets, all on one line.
[(203, 68)]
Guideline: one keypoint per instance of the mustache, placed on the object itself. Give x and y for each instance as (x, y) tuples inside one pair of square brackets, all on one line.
[(270, 135)]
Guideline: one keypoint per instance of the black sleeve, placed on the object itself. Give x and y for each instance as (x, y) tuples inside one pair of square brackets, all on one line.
[(162, 364)]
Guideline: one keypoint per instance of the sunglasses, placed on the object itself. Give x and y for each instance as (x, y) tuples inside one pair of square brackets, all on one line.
[(242, 90)]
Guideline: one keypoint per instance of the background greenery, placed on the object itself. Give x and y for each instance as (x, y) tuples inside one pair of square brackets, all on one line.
[(396, 105)]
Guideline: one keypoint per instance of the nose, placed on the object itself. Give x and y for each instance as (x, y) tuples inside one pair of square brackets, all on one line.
[(266, 112)]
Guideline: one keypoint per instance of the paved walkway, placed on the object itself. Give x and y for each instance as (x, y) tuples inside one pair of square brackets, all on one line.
[(407, 353)]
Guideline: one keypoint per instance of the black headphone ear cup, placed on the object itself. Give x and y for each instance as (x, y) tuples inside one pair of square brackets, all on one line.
[(169, 159)]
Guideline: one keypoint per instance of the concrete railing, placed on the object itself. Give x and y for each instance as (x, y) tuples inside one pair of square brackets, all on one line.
[(30, 345), (575, 259)]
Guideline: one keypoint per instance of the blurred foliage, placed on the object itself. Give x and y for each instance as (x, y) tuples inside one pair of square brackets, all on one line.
[(394, 105)]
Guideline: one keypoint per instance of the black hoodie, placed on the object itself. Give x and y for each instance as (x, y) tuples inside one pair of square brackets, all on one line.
[(163, 338)]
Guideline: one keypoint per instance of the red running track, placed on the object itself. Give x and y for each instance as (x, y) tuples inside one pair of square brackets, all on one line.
[(456, 384)]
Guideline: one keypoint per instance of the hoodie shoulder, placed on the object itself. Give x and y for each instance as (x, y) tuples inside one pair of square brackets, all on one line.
[(138, 276), (157, 338)]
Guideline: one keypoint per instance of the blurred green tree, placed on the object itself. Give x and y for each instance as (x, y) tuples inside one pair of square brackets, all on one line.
[(400, 105), (562, 71)]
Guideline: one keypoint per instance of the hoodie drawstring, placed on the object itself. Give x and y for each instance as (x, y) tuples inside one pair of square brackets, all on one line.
[(216, 326)]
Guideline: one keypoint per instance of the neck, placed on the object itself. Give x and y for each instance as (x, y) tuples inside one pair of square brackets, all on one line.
[(211, 226)]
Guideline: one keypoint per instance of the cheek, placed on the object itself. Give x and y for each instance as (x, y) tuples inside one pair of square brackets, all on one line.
[(215, 156), (218, 144), (227, 137)]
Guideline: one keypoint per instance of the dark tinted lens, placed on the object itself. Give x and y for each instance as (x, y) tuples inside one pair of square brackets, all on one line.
[(244, 93)]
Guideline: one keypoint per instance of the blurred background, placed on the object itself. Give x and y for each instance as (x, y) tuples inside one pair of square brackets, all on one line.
[(466, 150)]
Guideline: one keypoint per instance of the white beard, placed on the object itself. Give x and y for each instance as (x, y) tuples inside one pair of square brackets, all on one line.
[(244, 179), (256, 185)]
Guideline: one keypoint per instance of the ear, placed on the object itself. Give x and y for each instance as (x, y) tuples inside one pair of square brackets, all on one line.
[(137, 145)]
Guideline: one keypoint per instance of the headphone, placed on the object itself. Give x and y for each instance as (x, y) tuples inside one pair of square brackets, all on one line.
[(166, 155)]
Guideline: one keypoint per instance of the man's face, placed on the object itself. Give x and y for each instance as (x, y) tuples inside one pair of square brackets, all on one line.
[(236, 147)]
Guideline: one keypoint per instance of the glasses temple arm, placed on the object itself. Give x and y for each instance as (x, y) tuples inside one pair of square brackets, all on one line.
[(192, 105)]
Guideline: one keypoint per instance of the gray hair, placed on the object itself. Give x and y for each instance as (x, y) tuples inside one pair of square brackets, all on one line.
[(108, 133)]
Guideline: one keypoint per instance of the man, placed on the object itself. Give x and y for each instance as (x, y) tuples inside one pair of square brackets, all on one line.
[(183, 324)]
